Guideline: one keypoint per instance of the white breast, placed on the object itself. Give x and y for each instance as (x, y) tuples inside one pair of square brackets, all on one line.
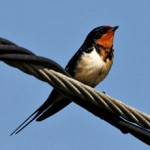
[(92, 69)]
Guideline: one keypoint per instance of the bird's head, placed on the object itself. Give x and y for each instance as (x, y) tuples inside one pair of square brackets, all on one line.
[(103, 36)]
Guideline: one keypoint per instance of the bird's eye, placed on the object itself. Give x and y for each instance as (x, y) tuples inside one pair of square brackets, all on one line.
[(103, 31)]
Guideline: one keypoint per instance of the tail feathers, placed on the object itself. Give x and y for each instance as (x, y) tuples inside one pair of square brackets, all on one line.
[(52, 105), (57, 106), (25, 123)]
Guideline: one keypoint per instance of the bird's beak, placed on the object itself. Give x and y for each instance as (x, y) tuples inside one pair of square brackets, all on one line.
[(114, 28)]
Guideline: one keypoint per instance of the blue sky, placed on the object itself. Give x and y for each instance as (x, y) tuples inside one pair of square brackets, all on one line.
[(56, 30)]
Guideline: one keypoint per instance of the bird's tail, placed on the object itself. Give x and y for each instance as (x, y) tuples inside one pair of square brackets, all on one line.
[(52, 105)]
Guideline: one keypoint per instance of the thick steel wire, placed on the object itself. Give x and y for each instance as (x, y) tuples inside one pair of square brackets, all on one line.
[(84, 92), (102, 105)]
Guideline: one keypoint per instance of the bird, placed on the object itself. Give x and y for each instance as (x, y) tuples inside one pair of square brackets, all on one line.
[(89, 65)]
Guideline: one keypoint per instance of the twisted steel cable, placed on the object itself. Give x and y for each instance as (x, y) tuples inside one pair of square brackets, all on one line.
[(102, 105)]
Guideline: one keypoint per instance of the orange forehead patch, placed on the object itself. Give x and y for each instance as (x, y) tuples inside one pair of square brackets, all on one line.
[(106, 40)]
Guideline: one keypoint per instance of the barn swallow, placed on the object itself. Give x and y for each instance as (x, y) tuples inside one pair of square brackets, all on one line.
[(90, 65)]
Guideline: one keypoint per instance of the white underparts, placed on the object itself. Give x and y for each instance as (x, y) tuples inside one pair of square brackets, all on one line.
[(92, 69)]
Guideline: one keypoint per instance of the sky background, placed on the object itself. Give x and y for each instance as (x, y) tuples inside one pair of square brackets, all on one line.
[(56, 30)]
